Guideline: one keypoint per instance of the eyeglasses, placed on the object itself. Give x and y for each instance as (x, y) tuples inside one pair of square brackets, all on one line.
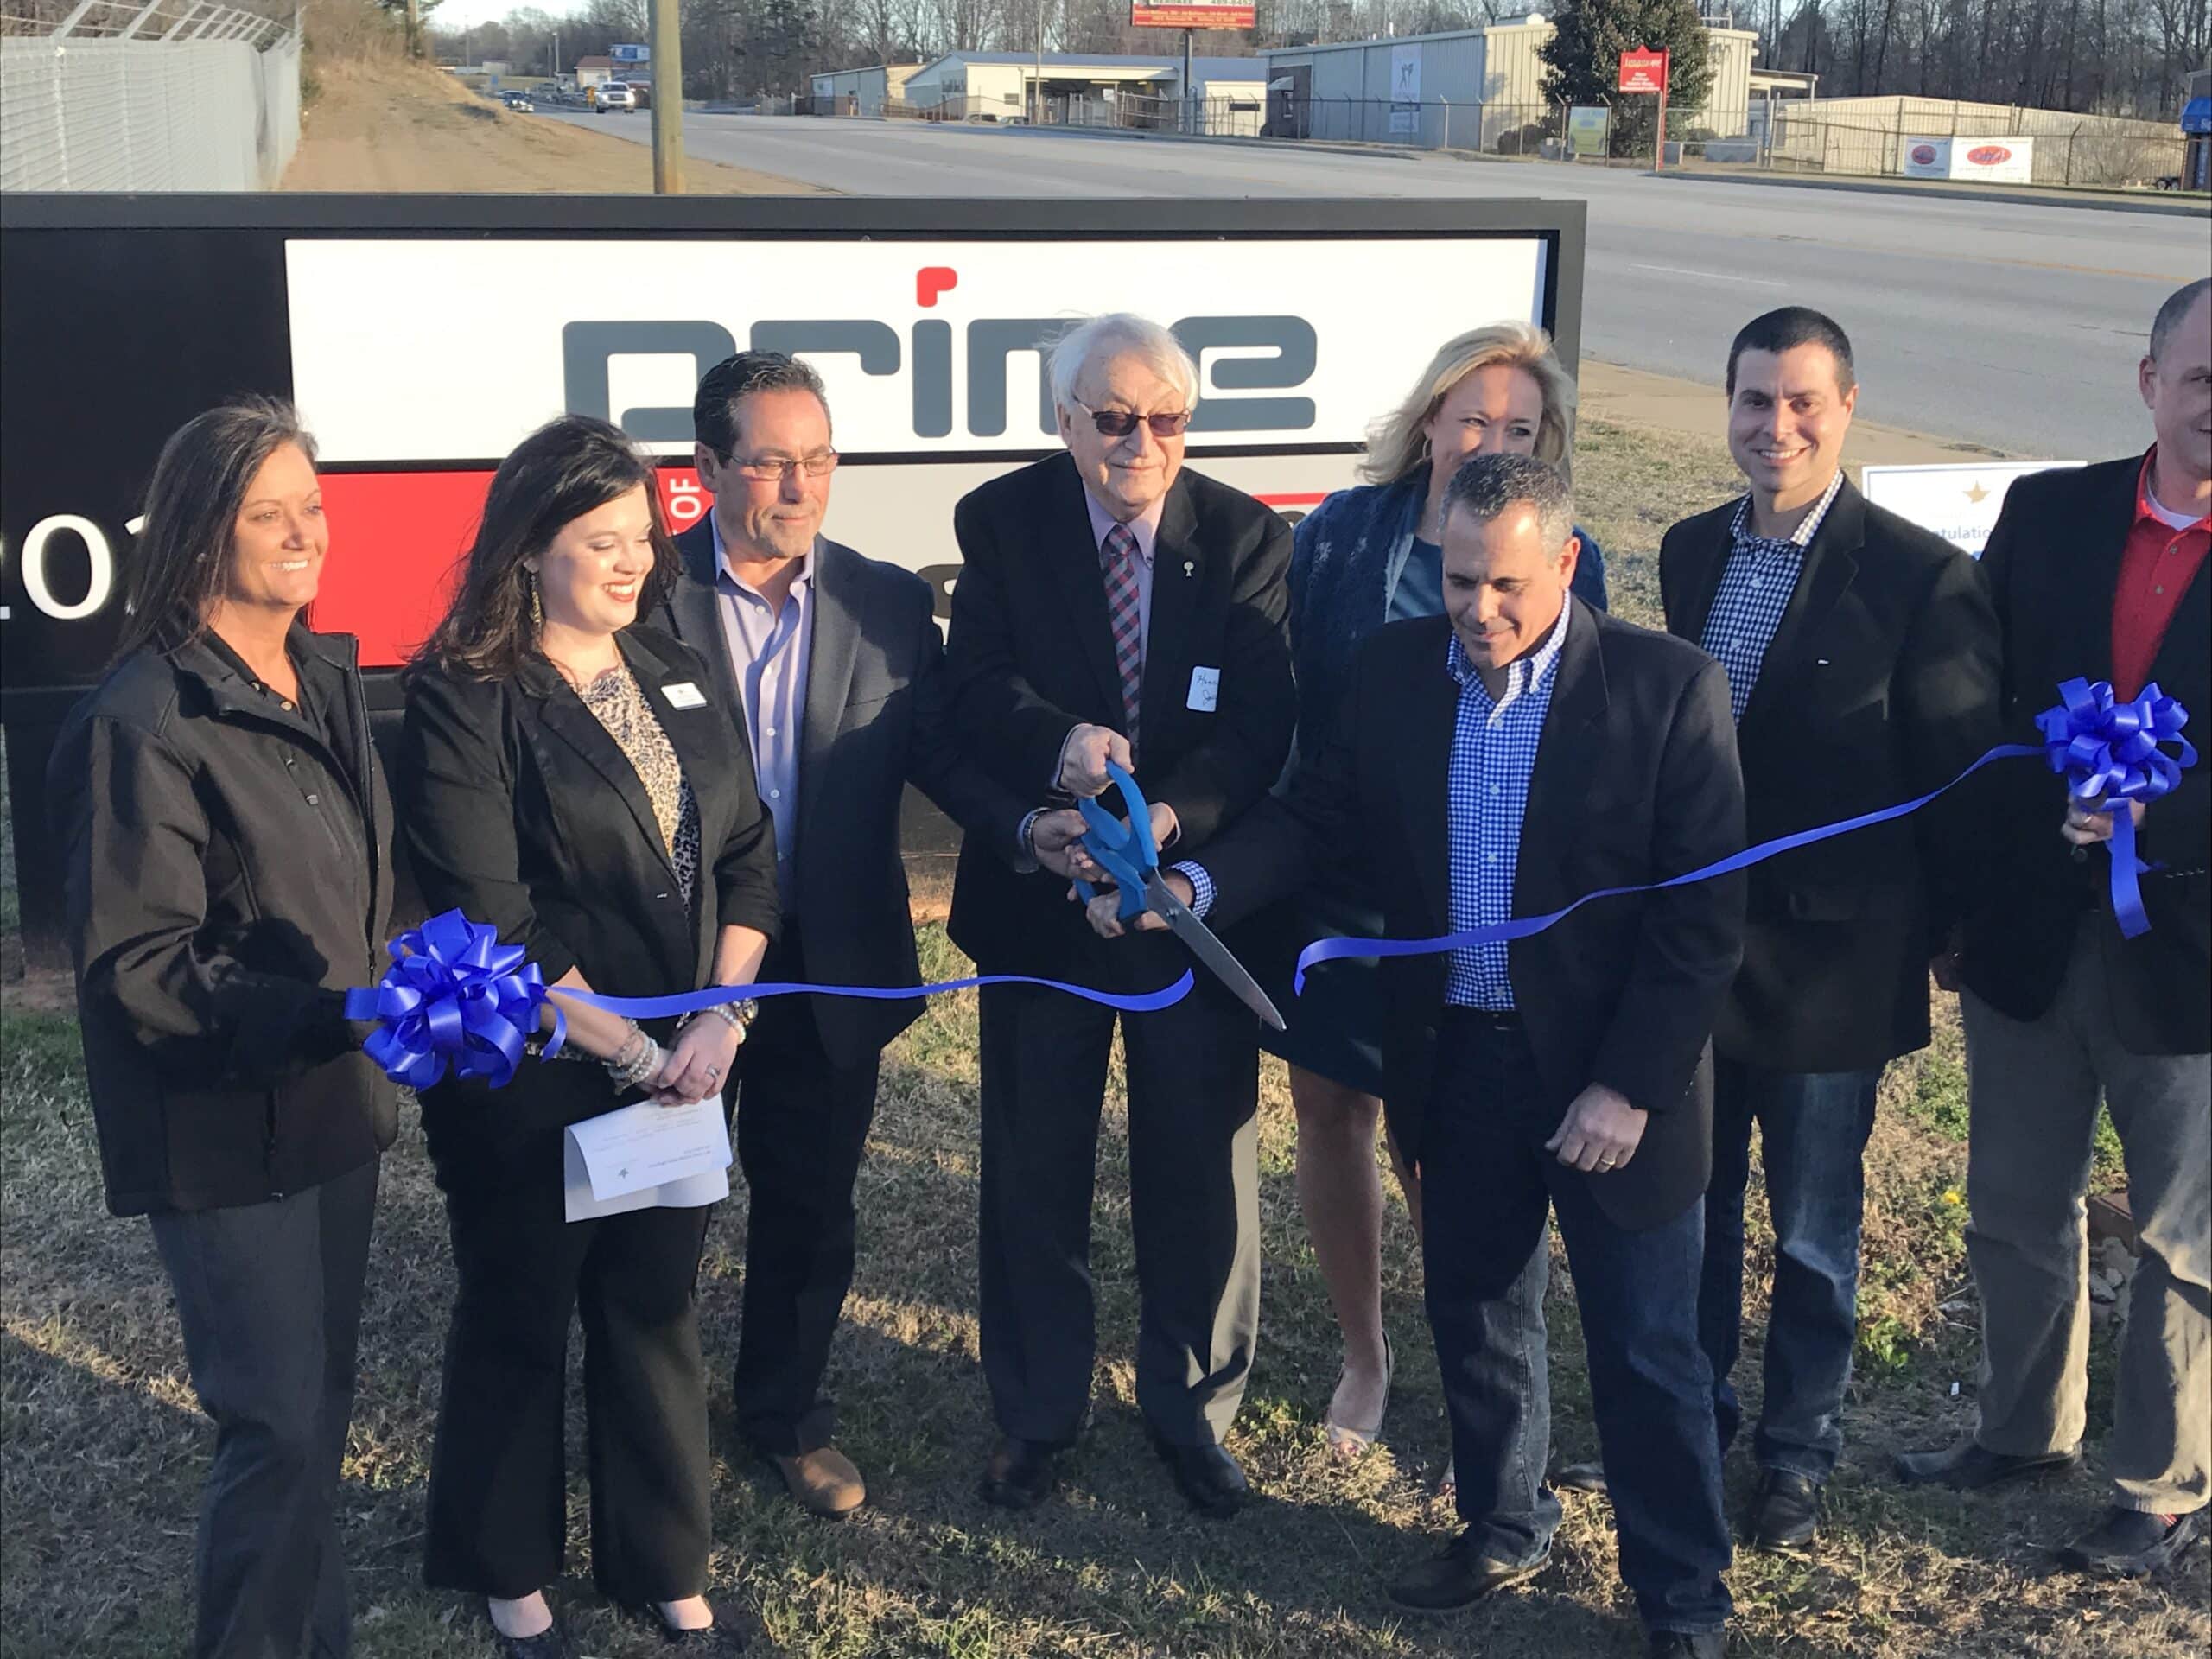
[(773, 469), (1120, 422)]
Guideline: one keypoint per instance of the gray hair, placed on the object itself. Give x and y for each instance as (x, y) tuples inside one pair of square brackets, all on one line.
[(1099, 340), (1486, 487), (2163, 326)]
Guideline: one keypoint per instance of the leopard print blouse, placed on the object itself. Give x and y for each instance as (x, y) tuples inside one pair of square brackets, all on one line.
[(619, 703)]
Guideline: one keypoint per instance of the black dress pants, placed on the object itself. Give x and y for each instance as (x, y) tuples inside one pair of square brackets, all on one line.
[(802, 1127), (270, 1298), (498, 1506), (1193, 1091)]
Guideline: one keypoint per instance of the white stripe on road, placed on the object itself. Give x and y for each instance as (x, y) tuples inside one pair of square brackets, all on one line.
[(1711, 275)]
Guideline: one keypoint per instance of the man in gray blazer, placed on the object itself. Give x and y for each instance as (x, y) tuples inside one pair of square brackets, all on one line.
[(830, 665)]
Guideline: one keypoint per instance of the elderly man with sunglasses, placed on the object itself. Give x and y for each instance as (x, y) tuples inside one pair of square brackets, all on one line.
[(1114, 606), (831, 668)]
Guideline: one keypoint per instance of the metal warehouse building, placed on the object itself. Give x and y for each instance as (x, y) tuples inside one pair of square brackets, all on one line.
[(1001, 86), (1464, 87), (862, 92)]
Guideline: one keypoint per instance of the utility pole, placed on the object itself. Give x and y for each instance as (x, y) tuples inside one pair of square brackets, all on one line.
[(1037, 114), (1190, 92), (668, 100), (414, 30)]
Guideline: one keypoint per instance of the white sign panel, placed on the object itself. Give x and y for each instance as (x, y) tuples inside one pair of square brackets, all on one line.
[(1959, 501), (1405, 89), (1992, 161), (630, 54), (927, 347)]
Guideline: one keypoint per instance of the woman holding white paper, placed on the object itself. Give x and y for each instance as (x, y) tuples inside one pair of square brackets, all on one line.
[(565, 778)]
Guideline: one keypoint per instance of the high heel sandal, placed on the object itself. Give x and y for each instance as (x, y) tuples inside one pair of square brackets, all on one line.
[(1344, 1439)]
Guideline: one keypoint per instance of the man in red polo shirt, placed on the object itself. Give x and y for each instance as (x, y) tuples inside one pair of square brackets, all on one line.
[(2098, 572)]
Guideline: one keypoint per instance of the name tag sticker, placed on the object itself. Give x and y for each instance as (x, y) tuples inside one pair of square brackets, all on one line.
[(1205, 689), (684, 695)]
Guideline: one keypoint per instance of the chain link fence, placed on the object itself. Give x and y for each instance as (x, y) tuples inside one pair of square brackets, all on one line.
[(127, 95)]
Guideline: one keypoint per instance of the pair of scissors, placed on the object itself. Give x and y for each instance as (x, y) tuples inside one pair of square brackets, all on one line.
[(1132, 857)]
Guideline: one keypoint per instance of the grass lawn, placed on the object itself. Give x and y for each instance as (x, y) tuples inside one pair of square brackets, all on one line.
[(102, 1448)]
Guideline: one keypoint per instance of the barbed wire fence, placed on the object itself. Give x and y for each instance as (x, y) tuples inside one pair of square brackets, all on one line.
[(147, 95)]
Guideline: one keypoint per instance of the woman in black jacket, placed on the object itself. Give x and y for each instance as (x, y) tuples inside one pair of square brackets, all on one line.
[(568, 777), (229, 876)]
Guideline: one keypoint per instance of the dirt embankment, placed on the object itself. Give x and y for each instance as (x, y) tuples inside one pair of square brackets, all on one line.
[(395, 126)]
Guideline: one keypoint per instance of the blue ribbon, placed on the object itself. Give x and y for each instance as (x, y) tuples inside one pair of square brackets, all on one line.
[(2109, 751), (455, 997), (2103, 745)]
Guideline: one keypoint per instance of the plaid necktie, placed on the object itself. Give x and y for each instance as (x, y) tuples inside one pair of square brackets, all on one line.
[(1124, 610)]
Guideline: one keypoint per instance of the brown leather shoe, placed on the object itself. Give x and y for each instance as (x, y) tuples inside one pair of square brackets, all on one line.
[(824, 1482)]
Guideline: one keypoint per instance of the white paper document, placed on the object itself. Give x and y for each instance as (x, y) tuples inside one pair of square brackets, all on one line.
[(643, 1156)]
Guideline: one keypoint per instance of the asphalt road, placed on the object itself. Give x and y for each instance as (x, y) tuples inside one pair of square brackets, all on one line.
[(2013, 326)]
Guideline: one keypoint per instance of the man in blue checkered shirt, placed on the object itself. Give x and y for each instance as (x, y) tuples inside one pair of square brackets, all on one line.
[(1499, 762), (1861, 655)]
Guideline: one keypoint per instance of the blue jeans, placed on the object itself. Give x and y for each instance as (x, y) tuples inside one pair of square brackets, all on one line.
[(1487, 1184), (1812, 1130)]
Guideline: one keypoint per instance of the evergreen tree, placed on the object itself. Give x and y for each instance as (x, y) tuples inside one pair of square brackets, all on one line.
[(1582, 63)]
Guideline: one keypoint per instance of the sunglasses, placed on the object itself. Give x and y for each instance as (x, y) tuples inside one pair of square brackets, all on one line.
[(1120, 422)]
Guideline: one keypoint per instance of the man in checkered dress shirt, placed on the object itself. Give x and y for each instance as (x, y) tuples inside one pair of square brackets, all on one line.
[(1755, 590)]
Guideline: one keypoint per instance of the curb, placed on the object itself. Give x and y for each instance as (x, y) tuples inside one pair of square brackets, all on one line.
[(2170, 209), (1293, 146)]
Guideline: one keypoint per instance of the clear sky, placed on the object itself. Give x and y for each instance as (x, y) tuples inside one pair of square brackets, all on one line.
[(462, 14)]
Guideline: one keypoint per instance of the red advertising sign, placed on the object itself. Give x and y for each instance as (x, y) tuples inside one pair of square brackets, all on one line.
[(1202, 14), (1644, 71)]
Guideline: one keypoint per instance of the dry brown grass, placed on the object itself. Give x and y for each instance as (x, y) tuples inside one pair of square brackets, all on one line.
[(104, 1449)]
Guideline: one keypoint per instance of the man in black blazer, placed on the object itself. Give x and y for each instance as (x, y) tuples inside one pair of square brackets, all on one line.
[(2098, 573), (1503, 760), (1861, 655), (832, 664), (1113, 605)]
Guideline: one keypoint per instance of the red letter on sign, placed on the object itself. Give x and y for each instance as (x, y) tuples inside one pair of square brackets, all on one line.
[(933, 280)]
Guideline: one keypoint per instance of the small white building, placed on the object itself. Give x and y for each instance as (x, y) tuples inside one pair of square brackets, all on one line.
[(862, 92), (1467, 88), (593, 72), (1002, 86)]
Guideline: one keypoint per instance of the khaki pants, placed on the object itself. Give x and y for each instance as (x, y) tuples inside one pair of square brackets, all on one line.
[(2034, 1087)]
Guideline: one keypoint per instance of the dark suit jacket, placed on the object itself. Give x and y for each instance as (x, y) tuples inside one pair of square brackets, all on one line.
[(874, 721), (521, 811), (1636, 781), (1032, 658), (2052, 563), (1880, 685)]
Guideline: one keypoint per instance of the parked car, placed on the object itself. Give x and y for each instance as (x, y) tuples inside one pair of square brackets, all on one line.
[(617, 95)]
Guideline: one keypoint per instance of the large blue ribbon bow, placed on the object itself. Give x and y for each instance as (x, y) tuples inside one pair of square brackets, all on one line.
[(2109, 751), (454, 995)]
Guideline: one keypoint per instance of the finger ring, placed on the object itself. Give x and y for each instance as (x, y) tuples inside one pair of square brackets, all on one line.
[(713, 1071)]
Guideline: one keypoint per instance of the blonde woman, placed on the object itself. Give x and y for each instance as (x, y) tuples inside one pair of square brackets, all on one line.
[(1366, 556)]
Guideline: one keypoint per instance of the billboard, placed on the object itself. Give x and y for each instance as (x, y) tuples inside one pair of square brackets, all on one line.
[(1992, 161), (424, 336), (630, 54), (1144, 14)]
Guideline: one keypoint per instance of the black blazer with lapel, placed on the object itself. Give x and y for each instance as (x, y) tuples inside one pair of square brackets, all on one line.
[(2052, 563), (874, 720), (521, 811), (1032, 657), (1636, 781), (1880, 684)]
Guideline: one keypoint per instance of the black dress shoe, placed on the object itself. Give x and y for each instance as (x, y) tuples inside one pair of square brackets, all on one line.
[(1684, 1644), (1020, 1473), (1970, 1467), (1579, 1478), (1786, 1513), (551, 1643), (1207, 1477), (1459, 1578), (2128, 1543), (723, 1636)]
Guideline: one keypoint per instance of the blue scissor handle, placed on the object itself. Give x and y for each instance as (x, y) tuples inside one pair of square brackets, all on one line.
[(1129, 855)]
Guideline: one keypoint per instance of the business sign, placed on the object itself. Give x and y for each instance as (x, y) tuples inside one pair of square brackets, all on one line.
[(1958, 501), (1992, 161), (1405, 89), (630, 54), (1644, 71), (1589, 130), (1143, 14)]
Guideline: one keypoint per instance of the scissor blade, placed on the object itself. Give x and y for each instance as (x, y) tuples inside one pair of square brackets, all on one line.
[(1215, 955)]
